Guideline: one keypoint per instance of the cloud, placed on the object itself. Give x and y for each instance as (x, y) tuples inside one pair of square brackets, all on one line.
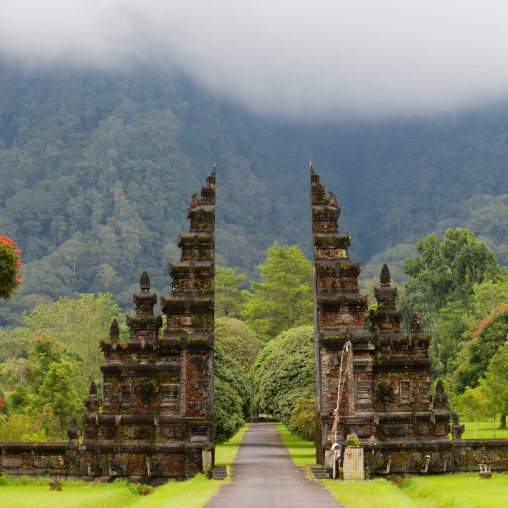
[(319, 60)]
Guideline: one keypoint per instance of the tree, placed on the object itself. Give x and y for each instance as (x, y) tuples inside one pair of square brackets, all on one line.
[(475, 356), (9, 271), (449, 270), (56, 392), (284, 300), (470, 405), (286, 374), (77, 326), (238, 341), (229, 300)]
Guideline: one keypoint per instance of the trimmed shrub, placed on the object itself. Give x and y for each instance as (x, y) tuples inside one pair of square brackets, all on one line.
[(238, 341), (286, 373)]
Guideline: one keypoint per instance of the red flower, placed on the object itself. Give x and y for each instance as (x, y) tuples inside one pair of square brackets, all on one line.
[(26, 363), (1, 405), (2, 399)]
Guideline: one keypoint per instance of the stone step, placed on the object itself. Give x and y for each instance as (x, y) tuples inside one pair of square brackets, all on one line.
[(319, 472), (219, 473)]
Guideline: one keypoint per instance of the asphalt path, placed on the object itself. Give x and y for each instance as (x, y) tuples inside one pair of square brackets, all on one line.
[(264, 476)]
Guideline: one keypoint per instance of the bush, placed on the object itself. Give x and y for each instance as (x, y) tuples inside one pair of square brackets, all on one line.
[(302, 422), (286, 374), (238, 341), (233, 396), (228, 412), (40, 427)]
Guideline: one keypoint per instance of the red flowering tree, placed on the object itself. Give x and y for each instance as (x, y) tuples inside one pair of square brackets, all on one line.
[(9, 267)]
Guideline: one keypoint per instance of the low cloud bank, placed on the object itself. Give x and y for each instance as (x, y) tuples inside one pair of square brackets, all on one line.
[(321, 60)]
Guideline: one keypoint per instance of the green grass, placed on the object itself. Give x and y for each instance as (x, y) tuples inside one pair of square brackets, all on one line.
[(458, 491), (302, 452), (483, 431), (190, 494), (376, 493), (24, 493)]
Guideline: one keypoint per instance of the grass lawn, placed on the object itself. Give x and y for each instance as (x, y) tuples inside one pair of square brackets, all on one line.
[(458, 491), (23, 493), (302, 452), (191, 494), (483, 430)]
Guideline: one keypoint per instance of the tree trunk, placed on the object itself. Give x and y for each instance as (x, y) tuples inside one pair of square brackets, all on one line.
[(503, 421)]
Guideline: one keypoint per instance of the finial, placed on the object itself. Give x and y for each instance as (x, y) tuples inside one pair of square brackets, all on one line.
[(332, 200), (114, 331), (439, 386), (385, 275), (144, 282), (311, 168), (93, 388), (213, 172), (415, 323), (73, 431)]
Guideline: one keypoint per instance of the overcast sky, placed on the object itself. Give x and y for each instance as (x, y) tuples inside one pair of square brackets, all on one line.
[(313, 59)]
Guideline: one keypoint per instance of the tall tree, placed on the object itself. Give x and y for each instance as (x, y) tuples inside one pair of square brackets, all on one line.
[(284, 300), (229, 300)]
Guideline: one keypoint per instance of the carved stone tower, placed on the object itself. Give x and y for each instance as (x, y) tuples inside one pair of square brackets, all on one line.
[(386, 381), (158, 413)]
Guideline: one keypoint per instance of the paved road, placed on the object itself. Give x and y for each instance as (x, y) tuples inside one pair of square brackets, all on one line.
[(266, 477)]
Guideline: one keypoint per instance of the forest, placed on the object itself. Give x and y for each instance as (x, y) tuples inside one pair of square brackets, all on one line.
[(97, 169)]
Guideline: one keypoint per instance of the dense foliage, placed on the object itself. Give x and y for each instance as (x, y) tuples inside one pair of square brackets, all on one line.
[(97, 168), (286, 374), (238, 341), (233, 396)]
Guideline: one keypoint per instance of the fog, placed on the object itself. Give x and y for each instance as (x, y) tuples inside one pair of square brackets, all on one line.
[(314, 60)]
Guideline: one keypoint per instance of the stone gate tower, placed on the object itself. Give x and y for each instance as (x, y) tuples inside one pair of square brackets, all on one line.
[(386, 390), (158, 411)]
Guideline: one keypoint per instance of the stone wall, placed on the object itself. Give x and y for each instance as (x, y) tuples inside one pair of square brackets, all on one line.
[(157, 419)]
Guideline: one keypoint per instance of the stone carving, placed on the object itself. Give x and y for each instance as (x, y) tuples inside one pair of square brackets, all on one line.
[(332, 200), (422, 430), (92, 402), (362, 431), (114, 330), (12, 462), (385, 277), (145, 391), (45, 462), (173, 433), (73, 432), (155, 467), (109, 432), (486, 458), (138, 433), (144, 282), (117, 467), (415, 323), (170, 395), (385, 392), (440, 400), (395, 430), (457, 429)]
